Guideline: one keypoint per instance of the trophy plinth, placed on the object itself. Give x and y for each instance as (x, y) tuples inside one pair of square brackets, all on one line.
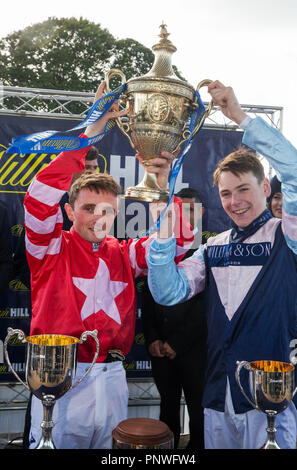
[(272, 387), (50, 371), (160, 105)]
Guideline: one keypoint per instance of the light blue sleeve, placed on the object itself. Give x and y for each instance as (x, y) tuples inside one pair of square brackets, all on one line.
[(168, 283), (282, 156)]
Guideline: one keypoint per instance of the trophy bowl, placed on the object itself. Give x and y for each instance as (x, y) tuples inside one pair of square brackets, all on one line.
[(50, 371), (159, 109), (272, 387)]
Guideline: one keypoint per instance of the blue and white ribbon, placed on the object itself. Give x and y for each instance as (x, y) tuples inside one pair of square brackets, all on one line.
[(52, 141)]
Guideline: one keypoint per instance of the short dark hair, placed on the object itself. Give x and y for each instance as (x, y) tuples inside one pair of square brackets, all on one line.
[(189, 193), (94, 182), (241, 161), (92, 153)]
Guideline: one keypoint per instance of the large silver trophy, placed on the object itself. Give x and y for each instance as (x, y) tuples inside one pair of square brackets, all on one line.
[(160, 106), (272, 387), (50, 371)]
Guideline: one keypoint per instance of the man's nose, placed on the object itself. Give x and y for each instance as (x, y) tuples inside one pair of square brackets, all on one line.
[(97, 215), (235, 198)]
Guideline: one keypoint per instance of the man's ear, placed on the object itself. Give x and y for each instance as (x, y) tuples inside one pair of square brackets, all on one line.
[(69, 211), (266, 187)]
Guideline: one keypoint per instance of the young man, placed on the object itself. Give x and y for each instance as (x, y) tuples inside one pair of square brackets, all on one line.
[(84, 280), (249, 277)]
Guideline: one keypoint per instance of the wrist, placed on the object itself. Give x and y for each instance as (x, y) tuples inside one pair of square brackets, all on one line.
[(92, 131), (239, 116)]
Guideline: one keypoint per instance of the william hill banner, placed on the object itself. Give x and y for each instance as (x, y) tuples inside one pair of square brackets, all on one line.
[(117, 158)]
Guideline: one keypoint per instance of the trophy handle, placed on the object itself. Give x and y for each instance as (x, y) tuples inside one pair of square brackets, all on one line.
[(83, 338), (123, 126), (293, 361), (186, 134), (245, 364), (201, 84), (21, 336), (113, 73)]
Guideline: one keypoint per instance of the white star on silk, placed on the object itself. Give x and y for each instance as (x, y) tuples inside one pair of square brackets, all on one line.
[(100, 293)]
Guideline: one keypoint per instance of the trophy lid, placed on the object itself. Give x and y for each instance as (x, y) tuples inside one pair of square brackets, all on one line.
[(161, 77), (163, 50), (164, 43)]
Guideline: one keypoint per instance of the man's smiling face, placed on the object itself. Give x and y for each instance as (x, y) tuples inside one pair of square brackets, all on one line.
[(243, 197), (93, 214)]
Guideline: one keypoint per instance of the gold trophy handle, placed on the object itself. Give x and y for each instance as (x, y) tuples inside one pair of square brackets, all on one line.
[(113, 73), (201, 84), (83, 338), (186, 134), (205, 82), (123, 126), (245, 364), (21, 336)]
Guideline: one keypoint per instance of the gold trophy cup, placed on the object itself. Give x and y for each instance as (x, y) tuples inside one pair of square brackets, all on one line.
[(160, 105), (50, 371), (272, 389)]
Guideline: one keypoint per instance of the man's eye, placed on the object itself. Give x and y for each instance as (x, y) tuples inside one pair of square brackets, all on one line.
[(108, 211)]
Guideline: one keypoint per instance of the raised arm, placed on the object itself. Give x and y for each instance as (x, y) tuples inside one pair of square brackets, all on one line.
[(43, 216)]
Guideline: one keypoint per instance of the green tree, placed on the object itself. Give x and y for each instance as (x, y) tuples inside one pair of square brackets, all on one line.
[(64, 54), (68, 54)]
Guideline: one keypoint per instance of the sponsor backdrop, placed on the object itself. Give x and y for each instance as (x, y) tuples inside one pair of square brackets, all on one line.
[(116, 157)]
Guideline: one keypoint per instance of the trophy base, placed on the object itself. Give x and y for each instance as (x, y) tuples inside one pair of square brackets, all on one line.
[(46, 444), (141, 193), (271, 445)]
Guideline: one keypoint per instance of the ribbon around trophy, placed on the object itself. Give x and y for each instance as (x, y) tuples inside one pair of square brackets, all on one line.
[(52, 141)]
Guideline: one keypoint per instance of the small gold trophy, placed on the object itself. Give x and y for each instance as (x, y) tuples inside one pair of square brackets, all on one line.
[(160, 106), (272, 389), (50, 371)]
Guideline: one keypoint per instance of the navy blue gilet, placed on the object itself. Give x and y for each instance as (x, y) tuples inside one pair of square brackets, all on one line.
[(260, 329)]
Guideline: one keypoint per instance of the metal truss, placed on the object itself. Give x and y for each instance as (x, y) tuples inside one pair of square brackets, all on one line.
[(43, 103), (60, 103), (273, 115)]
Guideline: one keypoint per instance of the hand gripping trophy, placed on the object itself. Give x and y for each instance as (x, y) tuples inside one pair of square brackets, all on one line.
[(50, 371), (272, 388), (160, 108)]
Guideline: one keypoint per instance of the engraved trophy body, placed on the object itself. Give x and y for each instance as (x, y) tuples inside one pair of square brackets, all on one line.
[(272, 387), (160, 106), (50, 371)]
